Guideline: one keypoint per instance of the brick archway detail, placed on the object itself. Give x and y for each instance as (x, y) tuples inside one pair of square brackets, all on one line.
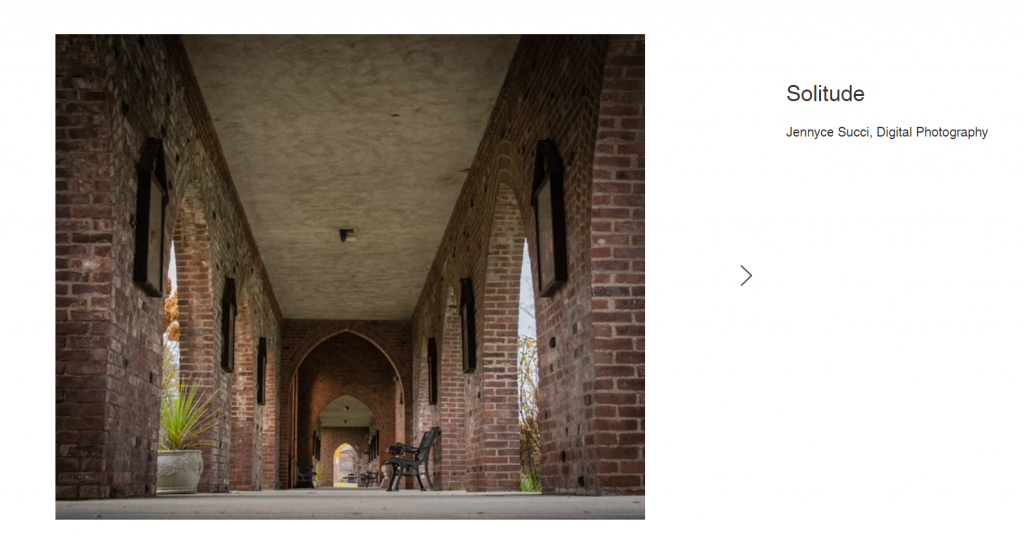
[(327, 330), (299, 339), (493, 424)]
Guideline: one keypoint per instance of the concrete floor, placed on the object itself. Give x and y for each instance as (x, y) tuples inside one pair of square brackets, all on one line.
[(342, 503)]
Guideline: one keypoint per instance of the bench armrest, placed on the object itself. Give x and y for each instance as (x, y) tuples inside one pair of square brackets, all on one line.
[(406, 448)]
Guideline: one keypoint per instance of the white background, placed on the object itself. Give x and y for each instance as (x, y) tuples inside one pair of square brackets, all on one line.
[(868, 379), (866, 382)]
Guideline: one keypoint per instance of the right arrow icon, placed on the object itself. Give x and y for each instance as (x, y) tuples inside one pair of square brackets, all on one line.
[(749, 275)]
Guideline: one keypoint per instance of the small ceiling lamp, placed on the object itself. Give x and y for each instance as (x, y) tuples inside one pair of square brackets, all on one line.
[(347, 234)]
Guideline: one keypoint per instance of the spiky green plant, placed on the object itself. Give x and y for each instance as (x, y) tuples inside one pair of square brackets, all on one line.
[(183, 417)]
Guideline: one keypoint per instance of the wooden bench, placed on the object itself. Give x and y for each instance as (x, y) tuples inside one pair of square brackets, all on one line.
[(404, 467)]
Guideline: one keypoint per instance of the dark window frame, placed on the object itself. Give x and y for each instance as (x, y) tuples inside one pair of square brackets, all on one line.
[(152, 174), (467, 317), (229, 312), (261, 372), (432, 369), (548, 174)]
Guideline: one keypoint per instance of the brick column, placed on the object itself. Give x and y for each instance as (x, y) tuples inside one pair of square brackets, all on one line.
[(244, 469), (494, 424), (617, 253), (199, 318), (86, 446), (269, 458), (451, 400)]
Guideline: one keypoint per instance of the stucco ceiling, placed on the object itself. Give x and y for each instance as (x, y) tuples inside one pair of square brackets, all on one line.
[(374, 133), (335, 414)]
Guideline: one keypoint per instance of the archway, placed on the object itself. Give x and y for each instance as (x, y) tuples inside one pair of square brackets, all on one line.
[(528, 381), (492, 399), (345, 365), (346, 421), (302, 338), (198, 318), (345, 466)]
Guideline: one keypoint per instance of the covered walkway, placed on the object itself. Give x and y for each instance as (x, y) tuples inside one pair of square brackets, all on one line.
[(332, 238)]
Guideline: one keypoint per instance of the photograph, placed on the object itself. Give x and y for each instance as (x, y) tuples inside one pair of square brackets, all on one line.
[(404, 273)]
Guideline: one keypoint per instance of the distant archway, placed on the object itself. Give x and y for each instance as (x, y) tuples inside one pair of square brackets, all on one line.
[(344, 464), (345, 421), (302, 338), (345, 365)]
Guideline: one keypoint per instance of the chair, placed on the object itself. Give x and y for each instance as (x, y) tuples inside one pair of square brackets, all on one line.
[(368, 480), (404, 467)]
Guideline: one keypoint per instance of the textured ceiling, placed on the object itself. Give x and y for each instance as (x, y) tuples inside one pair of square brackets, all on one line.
[(374, 133), (335, 414)]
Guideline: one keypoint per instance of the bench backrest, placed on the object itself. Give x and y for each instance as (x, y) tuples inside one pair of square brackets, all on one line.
[(426, 443), (303, 473)]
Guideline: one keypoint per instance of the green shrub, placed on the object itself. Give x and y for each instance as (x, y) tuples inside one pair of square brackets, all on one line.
[(528, 484)]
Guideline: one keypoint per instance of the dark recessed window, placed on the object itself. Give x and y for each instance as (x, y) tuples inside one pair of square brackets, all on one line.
[(467, 314), (151, 204), (432, 366), (229, 311), (261, 371)]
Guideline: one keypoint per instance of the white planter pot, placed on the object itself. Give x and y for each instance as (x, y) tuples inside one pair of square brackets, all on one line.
[(177, 472)]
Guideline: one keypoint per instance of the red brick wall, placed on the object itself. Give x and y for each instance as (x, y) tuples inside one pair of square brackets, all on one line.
[(451, 405), (197, 343), (332, 438), (617, 261), (244, 468), (269, 456), (495, 463), (553, 90), (345, 364), (421, 409), (86, 448), (114, 92)]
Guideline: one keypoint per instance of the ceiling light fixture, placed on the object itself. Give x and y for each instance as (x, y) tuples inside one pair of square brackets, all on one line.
[(347, 234)]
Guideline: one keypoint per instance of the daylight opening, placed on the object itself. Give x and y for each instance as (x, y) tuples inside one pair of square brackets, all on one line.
[(529, 429)]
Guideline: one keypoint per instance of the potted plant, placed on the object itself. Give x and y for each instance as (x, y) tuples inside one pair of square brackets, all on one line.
[(183, 420), (316, 475)]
